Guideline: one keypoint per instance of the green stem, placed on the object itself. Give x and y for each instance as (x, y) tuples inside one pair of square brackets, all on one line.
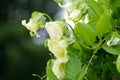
[(94, 52), (91, 60), (74, 34), (43, 77), (48, 16), (37, 76)]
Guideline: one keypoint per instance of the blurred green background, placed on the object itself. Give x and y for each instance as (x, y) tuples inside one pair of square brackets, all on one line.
[(20, 55)]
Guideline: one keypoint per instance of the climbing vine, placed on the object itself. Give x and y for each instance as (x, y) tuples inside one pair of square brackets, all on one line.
[(86, 44)]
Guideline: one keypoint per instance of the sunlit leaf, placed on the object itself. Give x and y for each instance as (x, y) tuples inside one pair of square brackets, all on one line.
[(95, 7), (86, 33), (115, 50), (104, 24)]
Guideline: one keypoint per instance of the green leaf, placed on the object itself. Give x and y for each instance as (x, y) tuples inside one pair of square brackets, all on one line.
[(110, 3), (72, 68), (86, 33), (118, 63), (115, 50), (104, 24), (50, 74), (74, 49), (82, 73), (95, 7)]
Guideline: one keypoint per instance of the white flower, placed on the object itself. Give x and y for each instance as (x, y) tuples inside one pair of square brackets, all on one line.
[(32, 26), (58, 48), (59, 66), (113, 41), (55, 30), (75, 15), (36, 22), (69, 6)]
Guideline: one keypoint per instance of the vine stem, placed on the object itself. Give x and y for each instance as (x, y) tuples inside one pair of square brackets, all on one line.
[(41, 78), (48, 16), (90, 60), (74, 34), (45, 76), (94, 52), (37, 76)]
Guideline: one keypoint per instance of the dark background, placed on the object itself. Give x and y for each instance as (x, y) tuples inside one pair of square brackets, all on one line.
[(20, 55)]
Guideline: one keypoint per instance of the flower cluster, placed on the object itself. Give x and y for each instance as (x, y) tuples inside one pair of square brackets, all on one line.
[(58, 42), (89, 29), (57, 45)]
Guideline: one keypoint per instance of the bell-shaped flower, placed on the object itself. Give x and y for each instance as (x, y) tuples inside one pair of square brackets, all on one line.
[(59, 67), (58, 48), (76, 9), (36, 22), (55, 30), (69, 6), (75, 15)]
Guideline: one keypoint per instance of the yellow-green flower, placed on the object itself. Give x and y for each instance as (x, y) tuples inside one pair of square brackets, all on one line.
[(55, 30), (75, 9), (59, 67), (36, 22), (75, 15), (69, 6), (58, 48), (32, 26)]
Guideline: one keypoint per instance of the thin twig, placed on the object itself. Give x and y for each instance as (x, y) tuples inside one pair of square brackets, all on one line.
[(48, 16)]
